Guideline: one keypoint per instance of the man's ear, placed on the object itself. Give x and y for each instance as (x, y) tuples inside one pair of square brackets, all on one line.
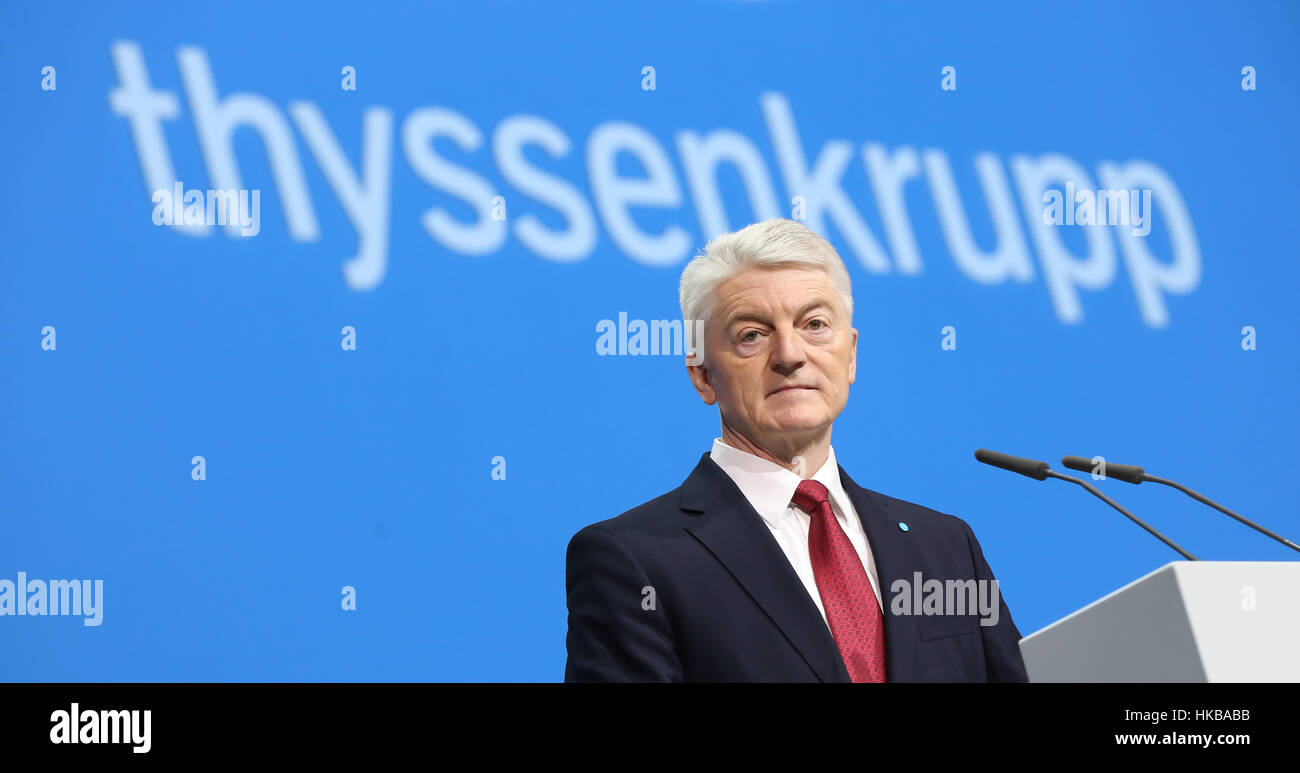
[(853, 356), (700, 380)]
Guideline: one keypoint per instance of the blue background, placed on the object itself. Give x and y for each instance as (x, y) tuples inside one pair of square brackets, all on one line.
[(372, 468)]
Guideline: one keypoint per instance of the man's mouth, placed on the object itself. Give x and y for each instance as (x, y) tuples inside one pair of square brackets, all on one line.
[(790, 388)]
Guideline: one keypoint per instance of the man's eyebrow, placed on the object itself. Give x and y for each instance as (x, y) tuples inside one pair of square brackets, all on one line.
[(750, 316)]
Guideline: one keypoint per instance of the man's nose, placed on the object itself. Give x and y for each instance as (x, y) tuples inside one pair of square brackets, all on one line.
[(787, 350)]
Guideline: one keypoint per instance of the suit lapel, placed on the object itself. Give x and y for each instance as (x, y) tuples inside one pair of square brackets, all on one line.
[(894, 553), (730, 528)]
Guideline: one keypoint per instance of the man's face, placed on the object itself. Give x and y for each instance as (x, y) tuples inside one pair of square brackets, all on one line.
[(780, 355)]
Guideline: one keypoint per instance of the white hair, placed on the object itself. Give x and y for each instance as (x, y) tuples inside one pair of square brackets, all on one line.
[(775, 243)]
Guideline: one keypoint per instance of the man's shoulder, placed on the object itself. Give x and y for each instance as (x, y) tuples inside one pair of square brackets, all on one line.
[(915, 515), (661, 516), (914, 509)]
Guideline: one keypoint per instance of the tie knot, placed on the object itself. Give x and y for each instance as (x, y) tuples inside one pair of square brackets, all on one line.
[(810, 496)]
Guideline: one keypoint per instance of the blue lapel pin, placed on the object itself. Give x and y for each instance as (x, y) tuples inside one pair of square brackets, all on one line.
[(902, 526)]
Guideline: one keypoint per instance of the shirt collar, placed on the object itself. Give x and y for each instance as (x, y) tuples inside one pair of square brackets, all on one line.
[(769, 487)]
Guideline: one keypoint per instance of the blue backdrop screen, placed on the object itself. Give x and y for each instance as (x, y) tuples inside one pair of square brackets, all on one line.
[(340, 421)]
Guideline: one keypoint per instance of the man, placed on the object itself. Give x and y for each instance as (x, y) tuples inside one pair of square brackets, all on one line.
[(769, 564)]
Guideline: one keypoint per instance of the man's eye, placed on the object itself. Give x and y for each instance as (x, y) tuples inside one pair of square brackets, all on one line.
[(749, 337), (819, 323)]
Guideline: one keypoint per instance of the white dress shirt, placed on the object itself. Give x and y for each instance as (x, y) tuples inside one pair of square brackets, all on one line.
[(769, 487)]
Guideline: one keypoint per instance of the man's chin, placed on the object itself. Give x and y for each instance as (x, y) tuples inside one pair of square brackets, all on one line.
[(800, 424)]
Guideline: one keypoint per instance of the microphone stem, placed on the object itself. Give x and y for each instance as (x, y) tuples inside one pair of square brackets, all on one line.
[(1207, 501), (1093, 490)]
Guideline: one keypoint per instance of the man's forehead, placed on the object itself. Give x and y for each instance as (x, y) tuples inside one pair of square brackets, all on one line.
[(757, 296)]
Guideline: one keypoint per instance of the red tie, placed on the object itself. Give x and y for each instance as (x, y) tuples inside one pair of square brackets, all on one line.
[(851, 606)]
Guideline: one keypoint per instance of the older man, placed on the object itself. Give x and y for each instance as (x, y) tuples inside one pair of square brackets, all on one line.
[(769, 563)]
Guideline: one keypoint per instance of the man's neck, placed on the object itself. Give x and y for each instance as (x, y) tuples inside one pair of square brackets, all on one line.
[(802, 456)]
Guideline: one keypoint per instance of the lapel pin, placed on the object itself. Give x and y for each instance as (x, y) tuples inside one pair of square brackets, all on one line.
[(902, 526)]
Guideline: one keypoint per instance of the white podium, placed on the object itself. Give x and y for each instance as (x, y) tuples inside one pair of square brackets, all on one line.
[(1188, 621)]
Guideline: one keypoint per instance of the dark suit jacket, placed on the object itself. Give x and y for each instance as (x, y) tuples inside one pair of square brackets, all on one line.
[(727, 606)]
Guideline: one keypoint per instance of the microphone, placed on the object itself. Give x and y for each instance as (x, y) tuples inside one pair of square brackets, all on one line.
[(1027, 467), (1040, 471), (1131, 474)]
